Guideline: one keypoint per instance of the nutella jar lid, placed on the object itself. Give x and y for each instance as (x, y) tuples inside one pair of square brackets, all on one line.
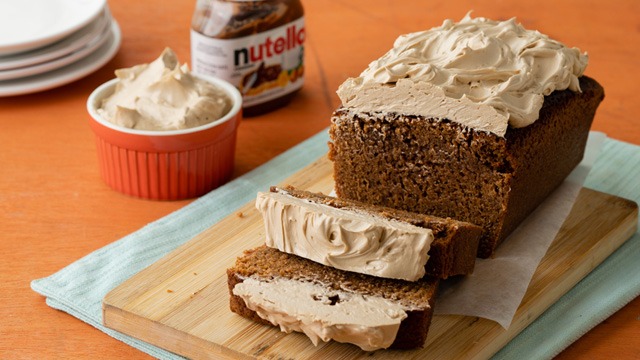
[(256, 45)]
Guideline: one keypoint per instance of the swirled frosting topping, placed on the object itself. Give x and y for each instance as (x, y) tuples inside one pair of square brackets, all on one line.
[(344, 239), (163, 95), (323, 314), (481, 73)]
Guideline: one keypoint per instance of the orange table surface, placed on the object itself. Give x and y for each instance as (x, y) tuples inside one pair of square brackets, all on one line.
[(54, 207)]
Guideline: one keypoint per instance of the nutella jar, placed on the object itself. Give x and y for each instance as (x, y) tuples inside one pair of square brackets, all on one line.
[(257, 45)]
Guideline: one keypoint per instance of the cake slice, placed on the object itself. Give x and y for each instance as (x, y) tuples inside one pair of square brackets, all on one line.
[(373, 240), (478, 120), (296, 294)]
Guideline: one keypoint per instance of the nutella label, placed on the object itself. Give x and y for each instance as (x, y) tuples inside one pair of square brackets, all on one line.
[(264, 66)]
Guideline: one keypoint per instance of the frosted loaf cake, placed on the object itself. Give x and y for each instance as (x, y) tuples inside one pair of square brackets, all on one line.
[(478, 121)]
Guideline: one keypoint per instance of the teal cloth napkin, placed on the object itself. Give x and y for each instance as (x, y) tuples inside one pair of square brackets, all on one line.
[(78, 289)]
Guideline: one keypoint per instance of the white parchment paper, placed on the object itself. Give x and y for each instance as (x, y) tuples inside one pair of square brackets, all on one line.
[(496, 287)]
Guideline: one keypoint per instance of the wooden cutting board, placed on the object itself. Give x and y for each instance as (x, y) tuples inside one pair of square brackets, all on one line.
[(180, 303)]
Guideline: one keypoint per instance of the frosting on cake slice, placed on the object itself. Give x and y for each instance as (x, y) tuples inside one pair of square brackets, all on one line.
[(345, 239), (296, 294), (368, 321)]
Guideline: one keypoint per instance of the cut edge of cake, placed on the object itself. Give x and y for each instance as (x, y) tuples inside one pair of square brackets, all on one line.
[(387, 159), (264, 264), (452, 251)]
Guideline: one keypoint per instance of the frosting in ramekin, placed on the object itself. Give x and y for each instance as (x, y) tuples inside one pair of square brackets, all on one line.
[(163, 95)]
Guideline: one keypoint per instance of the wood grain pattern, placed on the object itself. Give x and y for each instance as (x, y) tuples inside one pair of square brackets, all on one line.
[(180, 303), (55, 209)]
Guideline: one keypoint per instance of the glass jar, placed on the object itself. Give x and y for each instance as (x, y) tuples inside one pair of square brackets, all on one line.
[(257, 45)]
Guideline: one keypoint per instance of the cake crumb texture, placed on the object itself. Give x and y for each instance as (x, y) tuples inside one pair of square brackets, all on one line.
[(453, 251), (439, 167), (267, 263)]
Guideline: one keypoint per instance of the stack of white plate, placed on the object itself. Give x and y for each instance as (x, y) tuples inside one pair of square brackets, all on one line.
[(49, 43)]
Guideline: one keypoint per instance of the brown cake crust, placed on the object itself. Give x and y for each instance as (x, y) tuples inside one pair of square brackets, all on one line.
[(453, 251), (439, 167), (267, 263)]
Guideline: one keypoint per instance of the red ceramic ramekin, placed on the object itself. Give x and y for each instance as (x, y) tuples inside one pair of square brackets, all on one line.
[(166, 165)]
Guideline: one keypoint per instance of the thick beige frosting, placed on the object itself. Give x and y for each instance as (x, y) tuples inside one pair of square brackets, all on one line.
[(345, 239), (370, 322), (481, 73), (163, 95)]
